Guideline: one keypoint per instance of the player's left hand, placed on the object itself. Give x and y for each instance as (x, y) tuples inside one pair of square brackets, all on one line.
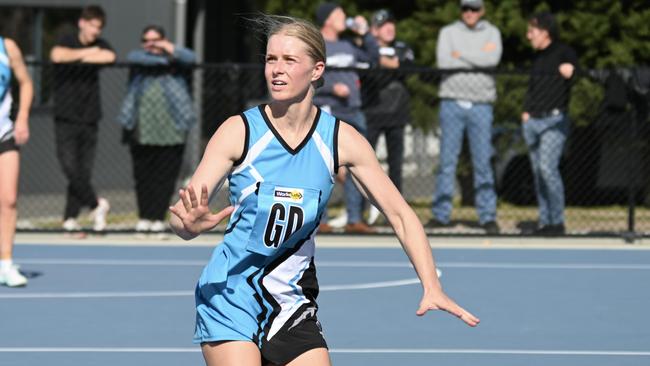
[(21, 132), (438, 300)]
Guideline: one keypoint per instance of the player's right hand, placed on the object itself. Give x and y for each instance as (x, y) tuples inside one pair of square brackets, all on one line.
[(195, 213)]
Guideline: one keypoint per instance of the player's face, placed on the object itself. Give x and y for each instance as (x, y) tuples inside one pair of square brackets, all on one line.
[(289, 70), (536, 36), (90, 30)]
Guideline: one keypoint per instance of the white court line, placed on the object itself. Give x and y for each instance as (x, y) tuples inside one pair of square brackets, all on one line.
[(478, 351), (354, 264), (95, 295), (113, 262)]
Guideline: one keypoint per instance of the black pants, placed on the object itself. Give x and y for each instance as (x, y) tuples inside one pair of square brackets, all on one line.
[(395, 146), (76, 144), (155, 169)]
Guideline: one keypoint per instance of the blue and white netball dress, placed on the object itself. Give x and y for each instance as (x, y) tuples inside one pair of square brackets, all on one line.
[(260, 284), (6, 124)]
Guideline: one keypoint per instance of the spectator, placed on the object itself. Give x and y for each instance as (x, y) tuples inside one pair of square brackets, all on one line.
[(387, 102), (77, 111), (156, 116), (12, 136), (341, 95), (467, 105), (545, 120)]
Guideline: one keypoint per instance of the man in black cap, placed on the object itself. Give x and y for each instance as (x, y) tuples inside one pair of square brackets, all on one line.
[(341, 94), (386, 99)]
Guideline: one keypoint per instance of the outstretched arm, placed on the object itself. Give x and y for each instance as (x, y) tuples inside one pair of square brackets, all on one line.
[(191, 215), (358, 156), (21, 129)]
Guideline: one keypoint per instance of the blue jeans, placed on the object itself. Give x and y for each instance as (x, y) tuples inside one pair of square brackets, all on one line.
[(545, 138), (454, 120), (353, 199)]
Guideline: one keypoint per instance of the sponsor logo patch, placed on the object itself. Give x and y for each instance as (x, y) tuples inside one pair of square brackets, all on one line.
[(295, 195)]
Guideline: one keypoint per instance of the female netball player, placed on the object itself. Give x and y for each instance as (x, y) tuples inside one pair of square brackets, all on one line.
[(12, 135), (256, 298)]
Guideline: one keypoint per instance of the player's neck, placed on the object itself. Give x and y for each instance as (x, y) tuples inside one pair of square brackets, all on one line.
[(291, 116)]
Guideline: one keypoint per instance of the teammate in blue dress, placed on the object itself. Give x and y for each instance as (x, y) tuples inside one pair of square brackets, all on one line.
[(12, 135), (256, 298)]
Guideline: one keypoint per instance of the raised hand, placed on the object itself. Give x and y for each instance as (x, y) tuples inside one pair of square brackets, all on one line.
[(195, 213), (438, 300)]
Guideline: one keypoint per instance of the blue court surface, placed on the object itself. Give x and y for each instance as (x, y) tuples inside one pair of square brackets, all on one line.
[(133, 305)]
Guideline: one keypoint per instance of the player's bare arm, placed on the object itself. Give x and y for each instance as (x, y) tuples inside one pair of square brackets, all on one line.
[(357, 154), (191, 214)]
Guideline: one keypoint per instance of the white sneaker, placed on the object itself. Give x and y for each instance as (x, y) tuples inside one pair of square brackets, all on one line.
[(71, 224), (158, 229), (99, 214), (142, 228), (373, 214), (12, 277), (339, 221)]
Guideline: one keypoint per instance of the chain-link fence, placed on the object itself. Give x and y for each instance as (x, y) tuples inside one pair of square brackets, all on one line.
[(148, 143)]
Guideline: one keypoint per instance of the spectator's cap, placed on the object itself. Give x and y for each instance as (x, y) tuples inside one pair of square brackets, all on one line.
[(474, 4), (323, 12), (382, 16)]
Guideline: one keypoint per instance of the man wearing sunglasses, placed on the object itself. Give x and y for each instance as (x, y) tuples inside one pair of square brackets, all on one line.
[(466, 105)]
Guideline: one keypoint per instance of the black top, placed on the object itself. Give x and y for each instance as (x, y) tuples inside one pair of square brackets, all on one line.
[(76, 94), (385, 97), (547, 89)]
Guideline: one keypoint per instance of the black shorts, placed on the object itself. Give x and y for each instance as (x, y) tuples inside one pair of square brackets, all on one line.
[(301, 333), (8, 145)]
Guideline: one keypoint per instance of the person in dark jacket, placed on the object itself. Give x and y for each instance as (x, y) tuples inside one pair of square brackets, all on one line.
[(387, 104)]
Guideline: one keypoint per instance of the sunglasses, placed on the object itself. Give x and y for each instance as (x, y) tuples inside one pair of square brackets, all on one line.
[(468, 8)]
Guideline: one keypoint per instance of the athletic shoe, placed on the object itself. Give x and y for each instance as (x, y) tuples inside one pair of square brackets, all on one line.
[(491, 228), (435, 224), (373, 214), (142, 228), (12, 277), (71, 224), (158, 229), (325, 228), (551, 230), (339, 221), (359, 228), (99, 214)]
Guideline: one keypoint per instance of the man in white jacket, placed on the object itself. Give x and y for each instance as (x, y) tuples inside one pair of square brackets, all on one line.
[(466, 104)]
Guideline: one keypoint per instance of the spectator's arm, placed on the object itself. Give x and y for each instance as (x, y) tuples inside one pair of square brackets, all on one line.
[(489, 55), (328, 85), (100, 56), (144, 58), (61, 54), (369, 51), (184, 55), (569, 64), (445, 52)]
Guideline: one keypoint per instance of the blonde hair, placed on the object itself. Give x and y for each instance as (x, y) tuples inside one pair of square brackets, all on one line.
[(295, 27)]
